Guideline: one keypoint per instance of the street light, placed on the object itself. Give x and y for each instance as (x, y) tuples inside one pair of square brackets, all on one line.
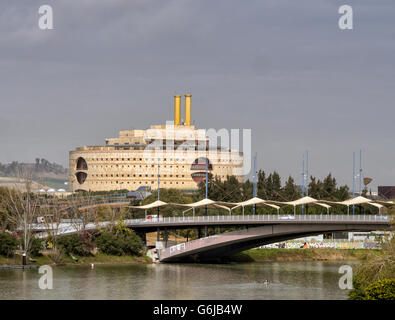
[(120, 202)]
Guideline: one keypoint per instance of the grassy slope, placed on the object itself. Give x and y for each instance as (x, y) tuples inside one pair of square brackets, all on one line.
[(309, 254), (98, 258), (254, 255)]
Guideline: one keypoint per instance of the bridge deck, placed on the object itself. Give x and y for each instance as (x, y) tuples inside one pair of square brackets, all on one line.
[(219, 220)]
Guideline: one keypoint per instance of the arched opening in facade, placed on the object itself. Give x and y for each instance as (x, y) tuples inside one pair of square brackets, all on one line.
[(81, 177), (81, 164), (198, 167)]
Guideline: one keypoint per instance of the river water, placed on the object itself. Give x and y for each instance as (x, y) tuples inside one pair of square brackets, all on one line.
[(286, 280)]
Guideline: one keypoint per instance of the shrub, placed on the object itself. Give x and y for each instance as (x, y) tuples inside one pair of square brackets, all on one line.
[(357, 293), (122, 243), (36, 247), (381, 290), (8, 244), (73, 244), (108, 243)]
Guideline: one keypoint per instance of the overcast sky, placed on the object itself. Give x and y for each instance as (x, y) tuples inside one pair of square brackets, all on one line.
[(282, 68)]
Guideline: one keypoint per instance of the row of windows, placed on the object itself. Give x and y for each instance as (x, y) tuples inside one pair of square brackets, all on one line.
[(134, 182), (143, 176), (133, 166), (148, 159), (136, 175), (140, 166)]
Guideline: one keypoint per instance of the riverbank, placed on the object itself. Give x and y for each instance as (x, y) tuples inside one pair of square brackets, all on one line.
[(67, 260), (307, 254), (253, 255)]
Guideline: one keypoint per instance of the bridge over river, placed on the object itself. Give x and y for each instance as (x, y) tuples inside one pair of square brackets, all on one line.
[(258, 230)]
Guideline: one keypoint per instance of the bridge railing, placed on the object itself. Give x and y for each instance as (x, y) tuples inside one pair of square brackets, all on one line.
[(249, 219), (259, 218)]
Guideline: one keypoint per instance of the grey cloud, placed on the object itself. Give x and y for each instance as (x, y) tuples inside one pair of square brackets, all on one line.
[(282, 68)]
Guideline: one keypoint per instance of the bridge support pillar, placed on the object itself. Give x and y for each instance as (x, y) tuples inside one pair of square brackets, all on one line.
[(199, 232), (157, 234), (143, 237)]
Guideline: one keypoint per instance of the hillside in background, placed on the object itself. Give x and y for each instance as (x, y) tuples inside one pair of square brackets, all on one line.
[(44, 172)]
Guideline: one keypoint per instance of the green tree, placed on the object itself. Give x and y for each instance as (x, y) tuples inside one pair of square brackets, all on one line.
[(329, 188), (377, 266), (261, 185), (123, 242), (8, 244), (36, 247), (381, 290), (73, 244), (315, 188), (290, 191)]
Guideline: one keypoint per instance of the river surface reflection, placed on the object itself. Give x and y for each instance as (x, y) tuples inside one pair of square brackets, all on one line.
[(286, 280)]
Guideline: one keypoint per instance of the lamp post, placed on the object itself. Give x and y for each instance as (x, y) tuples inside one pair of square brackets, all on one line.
[(158, 186), (254, 192), (120, 201), (303, 186), (205, 230), (353, 180)]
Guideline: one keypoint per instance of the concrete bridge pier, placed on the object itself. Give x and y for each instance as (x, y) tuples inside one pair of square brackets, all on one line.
[(143, 237), (166, 237)]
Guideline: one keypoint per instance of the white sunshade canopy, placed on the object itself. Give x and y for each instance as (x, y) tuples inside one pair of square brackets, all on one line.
[(384, 203), (359, 200), (301, 201), (201, 204), (298, 202), (257, 202), (152, 205), (355, 201), (327, 206), (377, 205), (251, 202)]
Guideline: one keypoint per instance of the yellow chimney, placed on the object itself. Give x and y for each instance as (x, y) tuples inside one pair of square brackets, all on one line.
[(177, 110), (188, 109)]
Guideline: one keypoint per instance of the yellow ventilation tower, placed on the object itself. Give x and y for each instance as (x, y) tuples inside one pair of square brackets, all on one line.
[(188, 109), (177, 110)]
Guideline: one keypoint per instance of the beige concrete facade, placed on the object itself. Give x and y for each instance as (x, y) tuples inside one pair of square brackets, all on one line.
[(131, 160)]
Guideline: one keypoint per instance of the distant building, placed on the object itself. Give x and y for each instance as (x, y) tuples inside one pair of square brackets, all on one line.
[(140, 194), (386, 192), (131, 160)]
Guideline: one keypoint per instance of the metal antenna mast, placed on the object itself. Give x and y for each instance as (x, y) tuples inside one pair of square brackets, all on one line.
[(307, 173), (360, 172), (303, 186), (353, 180), (254, 191)]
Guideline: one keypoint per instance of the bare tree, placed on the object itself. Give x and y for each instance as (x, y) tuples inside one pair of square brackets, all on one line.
[(22, 208), (53, 209), (83, 210)]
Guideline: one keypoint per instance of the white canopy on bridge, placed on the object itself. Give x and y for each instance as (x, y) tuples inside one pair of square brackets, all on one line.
[(201, 204), (355, 201), (385, 203), (251, 202), (359, 200), (152, 205), (302, 201)]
